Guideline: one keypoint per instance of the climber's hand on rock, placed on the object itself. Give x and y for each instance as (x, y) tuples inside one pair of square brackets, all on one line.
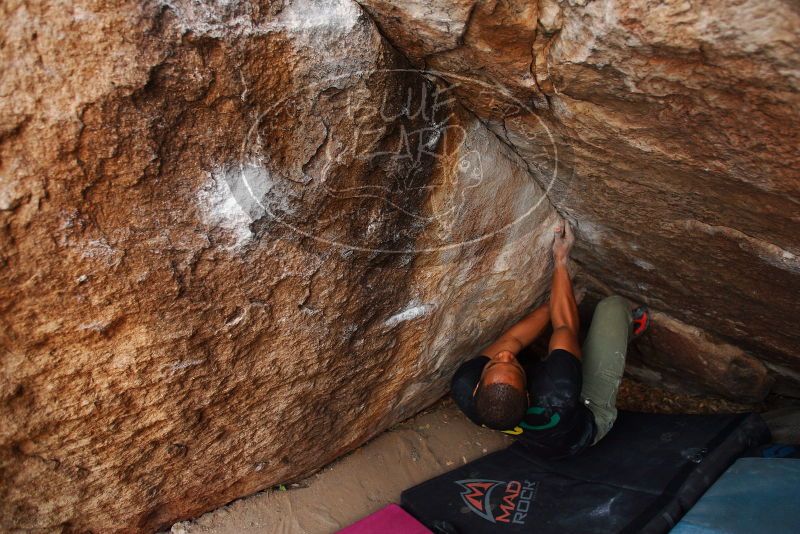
[(563, 240)]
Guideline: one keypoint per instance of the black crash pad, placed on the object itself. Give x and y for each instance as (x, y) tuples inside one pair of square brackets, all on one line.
[(642, 477)]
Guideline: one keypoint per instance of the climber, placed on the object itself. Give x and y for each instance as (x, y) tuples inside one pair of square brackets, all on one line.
[(566, 402)]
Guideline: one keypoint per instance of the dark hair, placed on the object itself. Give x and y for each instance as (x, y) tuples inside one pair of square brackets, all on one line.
[(500, 406)]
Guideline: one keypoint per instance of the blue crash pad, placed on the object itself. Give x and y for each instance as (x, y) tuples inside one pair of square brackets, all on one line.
[(754, 495)]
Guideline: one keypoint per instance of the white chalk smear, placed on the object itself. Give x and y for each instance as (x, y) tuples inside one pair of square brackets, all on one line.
[(412, 312), (95, 326), (769, 253), (233, 321), (646, 265), (590, 231), (219, 209), (100, 250), (177, 366), (220, 18)]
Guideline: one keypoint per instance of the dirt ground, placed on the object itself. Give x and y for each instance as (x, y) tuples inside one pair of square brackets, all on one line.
[(360, 483)]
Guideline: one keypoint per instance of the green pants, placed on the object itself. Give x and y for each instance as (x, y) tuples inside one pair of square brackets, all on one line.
[(604, 361)]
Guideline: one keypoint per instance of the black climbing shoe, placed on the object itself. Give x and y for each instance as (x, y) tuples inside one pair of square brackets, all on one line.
[(641, 320)]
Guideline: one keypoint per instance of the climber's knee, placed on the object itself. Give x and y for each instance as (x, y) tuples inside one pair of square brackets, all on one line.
[(613, 302)]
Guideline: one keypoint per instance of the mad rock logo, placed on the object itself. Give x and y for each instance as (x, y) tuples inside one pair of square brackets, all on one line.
[(497, 501)]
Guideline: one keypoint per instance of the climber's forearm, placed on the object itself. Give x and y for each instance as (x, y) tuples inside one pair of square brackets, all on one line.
[(523, 333), (564, 312), (563, 308)]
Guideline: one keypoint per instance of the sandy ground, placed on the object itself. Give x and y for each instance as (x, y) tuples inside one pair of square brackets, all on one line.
[(360, 483)]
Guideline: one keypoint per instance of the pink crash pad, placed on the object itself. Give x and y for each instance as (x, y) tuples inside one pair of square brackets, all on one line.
[(389, 520)]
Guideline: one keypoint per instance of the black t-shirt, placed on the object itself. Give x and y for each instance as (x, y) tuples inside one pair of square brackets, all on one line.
[(557, 423)]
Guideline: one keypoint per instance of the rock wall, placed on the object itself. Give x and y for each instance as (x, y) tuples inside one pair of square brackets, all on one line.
[(238, 240), (676, 125), (698, 362)]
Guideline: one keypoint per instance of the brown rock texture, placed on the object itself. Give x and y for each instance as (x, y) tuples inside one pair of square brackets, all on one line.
[(698, 362), (237, 239), (676, 125)]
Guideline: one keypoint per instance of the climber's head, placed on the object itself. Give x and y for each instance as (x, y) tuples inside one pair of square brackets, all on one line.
[(501, 394)]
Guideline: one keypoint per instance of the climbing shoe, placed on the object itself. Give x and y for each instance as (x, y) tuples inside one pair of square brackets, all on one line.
[(641, 320)]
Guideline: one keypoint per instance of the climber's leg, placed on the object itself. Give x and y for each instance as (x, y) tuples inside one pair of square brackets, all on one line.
[(604, 360)]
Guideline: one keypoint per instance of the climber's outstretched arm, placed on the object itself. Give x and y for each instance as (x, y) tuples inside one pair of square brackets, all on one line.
[(563, 308), (522, 333)]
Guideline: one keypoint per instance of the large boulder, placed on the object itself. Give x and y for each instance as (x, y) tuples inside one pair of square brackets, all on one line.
[(678, 146), (237, 239)]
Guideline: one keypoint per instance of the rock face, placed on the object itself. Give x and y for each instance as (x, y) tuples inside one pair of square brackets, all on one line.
[(676, 125), (238, 240), (698, 362)]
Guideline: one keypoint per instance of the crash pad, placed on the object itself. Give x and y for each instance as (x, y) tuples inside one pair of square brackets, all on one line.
[(642, 477), (753, 495), (775, 450), (390, 519)]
